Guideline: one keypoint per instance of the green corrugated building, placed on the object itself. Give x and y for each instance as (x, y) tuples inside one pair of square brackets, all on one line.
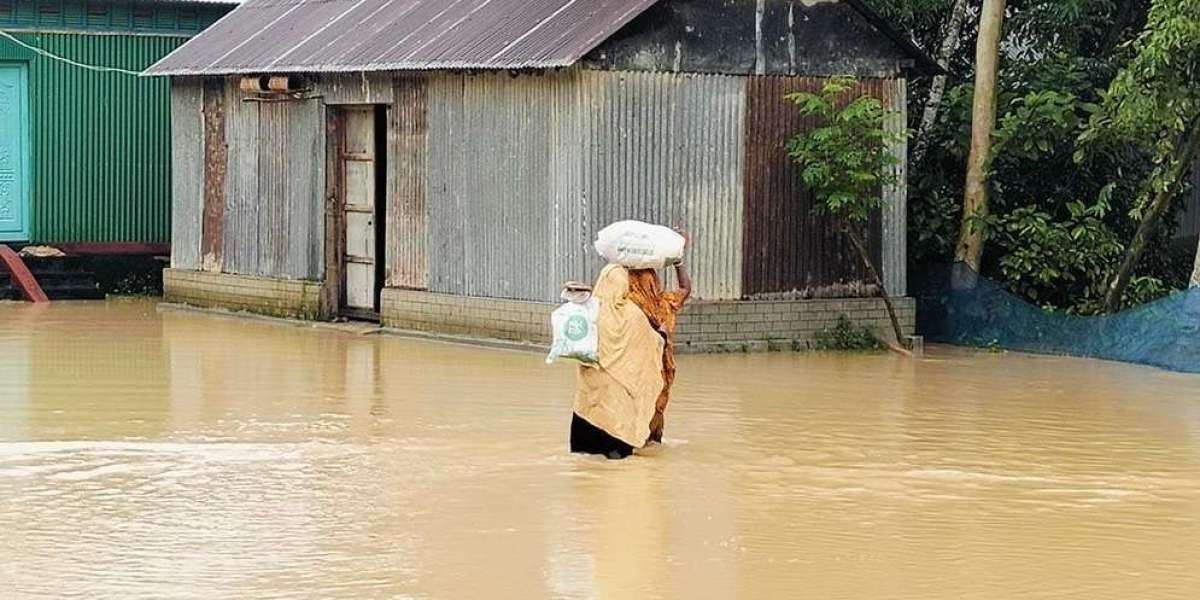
[(85, 154)]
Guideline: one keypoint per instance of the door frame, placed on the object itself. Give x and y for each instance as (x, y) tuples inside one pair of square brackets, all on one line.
[(26, 148), (333, 292)]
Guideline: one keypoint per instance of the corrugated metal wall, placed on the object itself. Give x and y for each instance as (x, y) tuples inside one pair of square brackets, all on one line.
[(271, 183), (274, 202), (354, 88), (405, 258), (102, 162), (667, 148), (894, 221), (240, 234), (187, 159), (216, 167), (497, 185), (788, 248), (523, 172), (502, 182)]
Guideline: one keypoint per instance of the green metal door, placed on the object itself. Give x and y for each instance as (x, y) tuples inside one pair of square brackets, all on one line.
[(14, 154)]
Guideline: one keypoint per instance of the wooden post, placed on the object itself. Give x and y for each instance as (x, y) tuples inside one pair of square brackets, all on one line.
[(21, 277), (331, 287)]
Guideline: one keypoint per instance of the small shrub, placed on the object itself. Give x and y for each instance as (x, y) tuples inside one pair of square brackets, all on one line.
[(137, 284), (987, 344), (846, 336), (127, 275)]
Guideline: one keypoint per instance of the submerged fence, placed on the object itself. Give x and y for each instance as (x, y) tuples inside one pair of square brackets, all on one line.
[(958, 306)]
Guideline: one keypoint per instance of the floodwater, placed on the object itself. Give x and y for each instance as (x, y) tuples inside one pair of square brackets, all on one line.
[(148, 454)]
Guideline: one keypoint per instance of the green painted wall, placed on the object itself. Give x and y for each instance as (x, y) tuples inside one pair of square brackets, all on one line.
[(147, 16), (101, 150)]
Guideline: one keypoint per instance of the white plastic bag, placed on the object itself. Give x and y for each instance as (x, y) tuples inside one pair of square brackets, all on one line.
[(575, 335), (638, 245)]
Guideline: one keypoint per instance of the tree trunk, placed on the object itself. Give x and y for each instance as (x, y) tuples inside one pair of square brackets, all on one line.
[(983, 124), (937, 90), (1196, 269), (1185, 155), (861, 246)]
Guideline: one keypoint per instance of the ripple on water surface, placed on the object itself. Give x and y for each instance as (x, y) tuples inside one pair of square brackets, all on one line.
[(148, 454)]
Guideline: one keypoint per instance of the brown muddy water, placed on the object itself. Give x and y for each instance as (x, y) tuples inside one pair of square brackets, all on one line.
[(188, 455)]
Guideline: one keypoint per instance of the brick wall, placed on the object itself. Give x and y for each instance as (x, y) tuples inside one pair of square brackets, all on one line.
[(509, 320), (782, 324), (703, 327), (276, 297)]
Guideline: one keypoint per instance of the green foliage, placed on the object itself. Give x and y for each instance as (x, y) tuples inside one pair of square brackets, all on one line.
[(1153, 102), (846, 336), (1048, 260), (1093, 97), (1042, 107), (1060, 221), (924, 19), (846, 160), (1154, 99), (1080, 27)]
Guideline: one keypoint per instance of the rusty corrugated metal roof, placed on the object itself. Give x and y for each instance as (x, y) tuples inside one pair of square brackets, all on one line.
[(271, 36)]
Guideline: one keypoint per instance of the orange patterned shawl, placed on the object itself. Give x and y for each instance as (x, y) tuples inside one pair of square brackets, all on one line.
[(662, 309)]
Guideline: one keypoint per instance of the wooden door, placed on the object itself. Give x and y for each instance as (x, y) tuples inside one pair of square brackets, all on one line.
[(14, 154), (359, 186)]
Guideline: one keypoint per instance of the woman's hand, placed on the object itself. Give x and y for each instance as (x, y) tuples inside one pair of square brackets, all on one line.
[(687, 238)]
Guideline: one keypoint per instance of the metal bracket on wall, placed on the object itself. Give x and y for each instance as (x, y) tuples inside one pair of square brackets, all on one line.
[(298, 96)]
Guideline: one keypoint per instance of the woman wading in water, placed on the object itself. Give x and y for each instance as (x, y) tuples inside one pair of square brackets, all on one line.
[(621, 403)]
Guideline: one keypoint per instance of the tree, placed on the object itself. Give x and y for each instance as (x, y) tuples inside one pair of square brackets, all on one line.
[(1058, 59), (846, 162), (1154, 101), (937, 89), (975, 197), (1196, 269)]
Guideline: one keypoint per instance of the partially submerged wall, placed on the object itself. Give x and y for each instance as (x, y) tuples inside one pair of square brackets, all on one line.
[(703, 326), (268, 296)]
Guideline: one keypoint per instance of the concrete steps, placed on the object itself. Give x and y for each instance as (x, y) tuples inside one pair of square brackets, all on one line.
[(62, 278)]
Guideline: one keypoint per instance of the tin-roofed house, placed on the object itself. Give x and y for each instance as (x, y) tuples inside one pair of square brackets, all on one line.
[(84, 142), (444, 166)]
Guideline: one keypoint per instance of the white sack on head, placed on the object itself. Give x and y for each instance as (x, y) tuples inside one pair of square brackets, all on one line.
[(638, 245)]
